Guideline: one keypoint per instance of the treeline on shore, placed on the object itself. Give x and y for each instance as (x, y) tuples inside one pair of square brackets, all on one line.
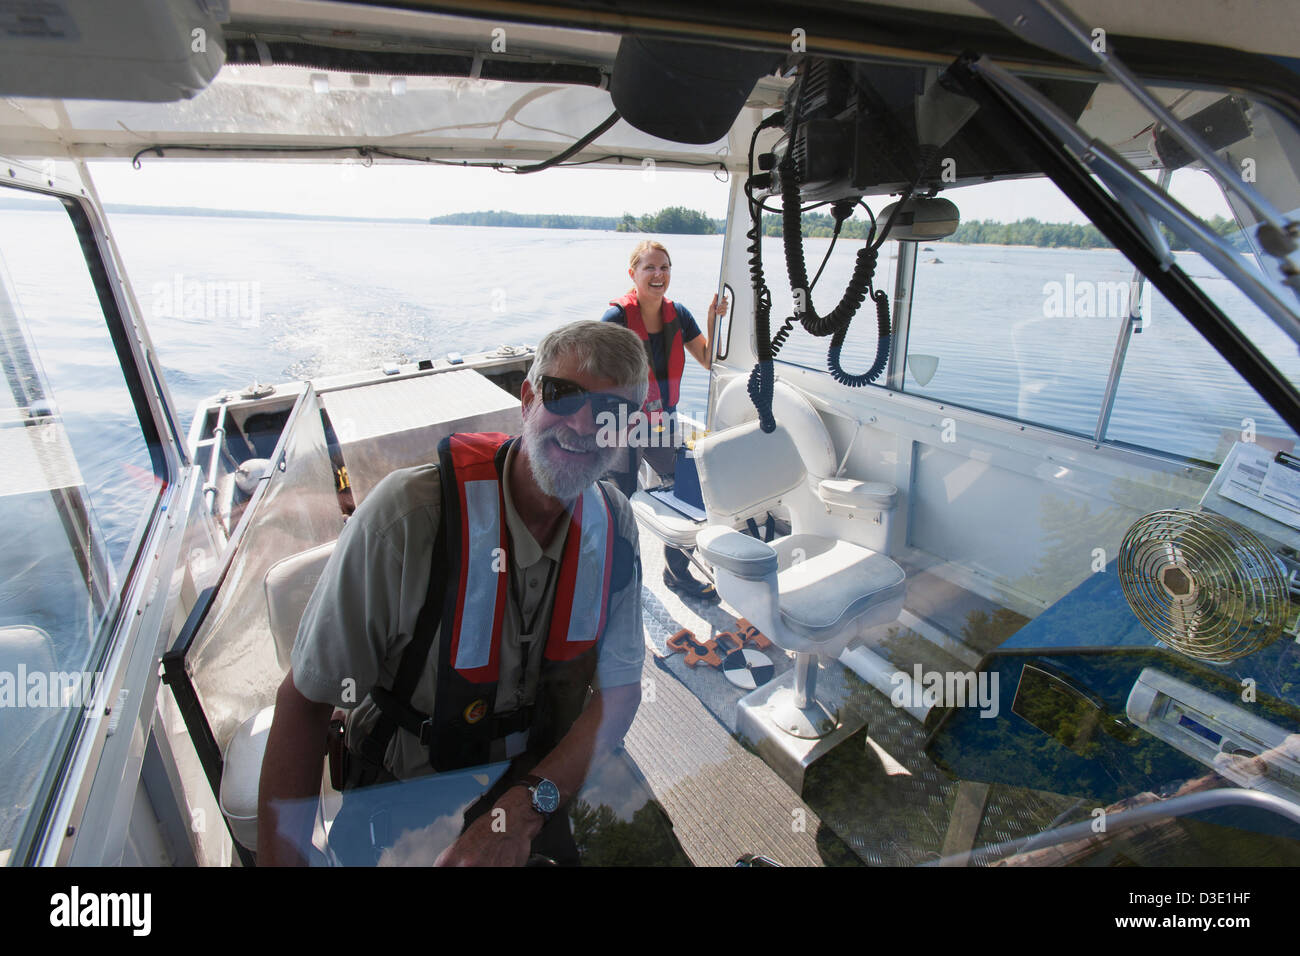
[(678, 220), (1022, 232), (674, 220)]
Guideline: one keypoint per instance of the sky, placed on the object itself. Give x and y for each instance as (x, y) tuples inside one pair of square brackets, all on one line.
[(395, 191)]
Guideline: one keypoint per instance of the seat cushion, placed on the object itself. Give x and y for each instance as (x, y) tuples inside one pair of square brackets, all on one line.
[(791, 409), (289, 585), (669, 526), (241, 774), (821, 593)]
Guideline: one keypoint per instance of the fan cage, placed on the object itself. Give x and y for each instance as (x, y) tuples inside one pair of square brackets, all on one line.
[(1203, 584)]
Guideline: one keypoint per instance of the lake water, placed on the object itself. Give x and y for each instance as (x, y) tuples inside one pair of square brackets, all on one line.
[(338, 297), (334, 297)]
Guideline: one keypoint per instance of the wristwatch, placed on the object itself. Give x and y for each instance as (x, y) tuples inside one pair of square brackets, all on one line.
[(545, 795)]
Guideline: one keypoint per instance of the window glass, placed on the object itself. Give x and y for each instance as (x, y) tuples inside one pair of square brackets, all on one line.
[(77, 489), (1017, 316), (1024, 333), (1021, 567), (859, 349), (1176, 393)]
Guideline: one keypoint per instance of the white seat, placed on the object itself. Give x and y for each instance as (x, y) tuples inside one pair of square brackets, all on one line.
[(666, 523), (791, 409), (241, 774), (826, 590), (742, 489), (808, 593), (289, 585)]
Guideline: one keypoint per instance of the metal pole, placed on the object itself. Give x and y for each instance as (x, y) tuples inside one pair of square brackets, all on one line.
[(1132, 324), (904, 282), (805, 679)]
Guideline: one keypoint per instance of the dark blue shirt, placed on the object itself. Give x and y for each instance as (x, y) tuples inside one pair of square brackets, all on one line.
[(690, 331)]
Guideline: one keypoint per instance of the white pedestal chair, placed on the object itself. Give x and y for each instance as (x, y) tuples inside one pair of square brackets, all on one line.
[(809, 592)]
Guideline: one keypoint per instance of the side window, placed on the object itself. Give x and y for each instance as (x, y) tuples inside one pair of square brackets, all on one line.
[(800, 348), (76, 494), (1017, 317), (1176, 393), (1020, 318)]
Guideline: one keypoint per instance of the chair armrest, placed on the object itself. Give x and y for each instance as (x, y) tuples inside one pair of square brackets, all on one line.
[(860, 495), (742, 555)]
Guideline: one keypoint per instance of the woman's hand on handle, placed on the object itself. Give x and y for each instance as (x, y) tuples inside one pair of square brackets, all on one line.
[(701, 347), (716, 309)]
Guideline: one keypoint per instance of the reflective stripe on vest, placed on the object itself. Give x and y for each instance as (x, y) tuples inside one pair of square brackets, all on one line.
[(676, 353), (581, 591), (481, 596)]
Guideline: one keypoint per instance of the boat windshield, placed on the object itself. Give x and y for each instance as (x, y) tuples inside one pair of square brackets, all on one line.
[(1029, 312), (1069, 432)]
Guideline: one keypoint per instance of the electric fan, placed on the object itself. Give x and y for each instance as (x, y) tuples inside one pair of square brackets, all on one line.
[(1203, 584)]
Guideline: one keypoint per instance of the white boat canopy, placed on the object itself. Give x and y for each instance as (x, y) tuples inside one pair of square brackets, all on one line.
[(250, 108)]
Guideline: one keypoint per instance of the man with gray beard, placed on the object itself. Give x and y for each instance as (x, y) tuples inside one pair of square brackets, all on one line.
[(486, 608)]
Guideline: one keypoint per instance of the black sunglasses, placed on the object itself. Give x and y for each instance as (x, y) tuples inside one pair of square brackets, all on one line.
[(562, 397)]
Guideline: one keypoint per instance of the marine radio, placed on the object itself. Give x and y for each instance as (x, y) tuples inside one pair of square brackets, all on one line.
[(844, 135)]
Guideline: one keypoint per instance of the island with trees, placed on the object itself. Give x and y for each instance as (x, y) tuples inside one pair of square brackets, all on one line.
[(678, 220), (674, 220)]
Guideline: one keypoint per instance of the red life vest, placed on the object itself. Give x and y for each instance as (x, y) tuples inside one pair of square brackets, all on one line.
[(477, 580), (482, 585), (465, 607), (655, 401)]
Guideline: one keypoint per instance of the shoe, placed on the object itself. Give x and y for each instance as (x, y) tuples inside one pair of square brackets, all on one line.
[(690, 587)]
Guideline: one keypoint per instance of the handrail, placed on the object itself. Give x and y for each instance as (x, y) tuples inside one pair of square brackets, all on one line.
[(1128, 819)]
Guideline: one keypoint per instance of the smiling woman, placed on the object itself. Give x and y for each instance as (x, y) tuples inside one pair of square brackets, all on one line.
[(667, 330)]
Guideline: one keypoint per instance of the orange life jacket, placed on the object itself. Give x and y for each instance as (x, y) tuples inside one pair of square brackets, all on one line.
[(466, 605), (655, 399)]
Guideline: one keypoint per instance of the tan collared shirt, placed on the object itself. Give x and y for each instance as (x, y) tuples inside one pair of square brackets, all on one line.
[(364, 610)]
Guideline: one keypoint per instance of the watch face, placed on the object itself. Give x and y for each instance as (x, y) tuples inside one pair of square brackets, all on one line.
[(546, 797)]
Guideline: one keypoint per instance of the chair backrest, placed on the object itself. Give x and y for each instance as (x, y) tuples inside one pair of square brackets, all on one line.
[(289, 585), (745, 472), (790, 409)]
